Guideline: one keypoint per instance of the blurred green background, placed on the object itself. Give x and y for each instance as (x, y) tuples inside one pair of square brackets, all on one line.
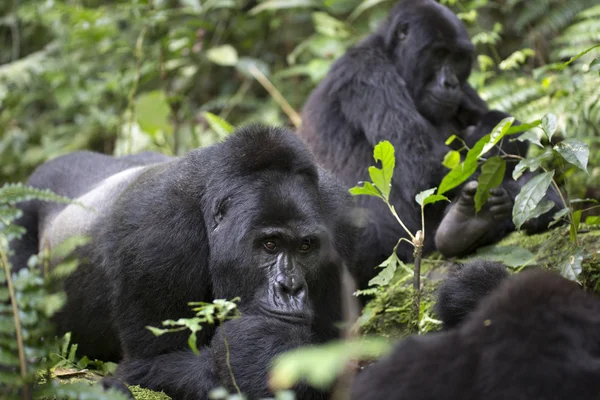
[(125, 76)]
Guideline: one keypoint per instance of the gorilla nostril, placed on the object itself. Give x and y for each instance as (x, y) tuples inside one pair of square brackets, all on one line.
[(290, 286)]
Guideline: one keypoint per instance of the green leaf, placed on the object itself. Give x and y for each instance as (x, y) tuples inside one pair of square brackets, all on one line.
[(532, 163), (157, 331), (549, 125), (320, 365), (12, 193), (492, 174), (532, 137), (152, 112), (451, 159), (326, 25), (225, 55), (512, 256), (558, 216), (574, 227), (365, 5), (427, 197), (531, 194), (221, 127), (382, 178), (368, 189), (451, 139), (464, 170), (593, 220), (282, 4), (389, 269), (497, 134), (574, 152), (523, 127)]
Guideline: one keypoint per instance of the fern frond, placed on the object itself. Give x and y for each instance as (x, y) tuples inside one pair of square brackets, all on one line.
[(12, 193)]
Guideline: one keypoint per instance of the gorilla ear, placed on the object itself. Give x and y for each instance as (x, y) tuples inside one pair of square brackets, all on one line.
[(220, 210), (402, 31)]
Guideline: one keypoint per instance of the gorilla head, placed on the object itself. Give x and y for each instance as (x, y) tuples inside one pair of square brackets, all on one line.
[(430, 33), (273, 221)]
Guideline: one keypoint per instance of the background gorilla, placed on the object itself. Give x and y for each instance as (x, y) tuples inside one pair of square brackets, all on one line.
[(405, 83), (250, 217), (534, 337)]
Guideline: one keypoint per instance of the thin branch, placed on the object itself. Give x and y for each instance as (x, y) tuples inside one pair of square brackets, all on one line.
[(139, 53), (15, 311), (227, 356), (277, 96)]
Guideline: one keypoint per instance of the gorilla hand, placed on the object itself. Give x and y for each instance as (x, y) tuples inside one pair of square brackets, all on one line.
[(463, 230)]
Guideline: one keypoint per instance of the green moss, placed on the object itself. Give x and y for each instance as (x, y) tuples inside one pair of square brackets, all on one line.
[(389, 312), (146, 394)]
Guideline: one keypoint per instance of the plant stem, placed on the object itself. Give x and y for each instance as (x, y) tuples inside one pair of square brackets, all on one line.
[(15, 310), (139, 53), (417, 288), (277, 96), (393, 211), (237, 388)]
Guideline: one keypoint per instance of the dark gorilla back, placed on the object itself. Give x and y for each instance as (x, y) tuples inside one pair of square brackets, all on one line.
[(534, 337), (252, 217)]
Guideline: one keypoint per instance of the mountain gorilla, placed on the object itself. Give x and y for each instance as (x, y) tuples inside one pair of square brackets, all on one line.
[(406, 83), (533, 337), (251, 217)]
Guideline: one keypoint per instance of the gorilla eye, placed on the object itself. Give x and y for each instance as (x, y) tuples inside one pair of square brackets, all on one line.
[(270, 245), (402, 31), (305, 245)]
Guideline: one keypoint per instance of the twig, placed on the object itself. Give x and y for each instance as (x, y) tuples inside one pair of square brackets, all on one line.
[(139, 53), (277, 96), (15, 311), (237, 388), (14, 32)]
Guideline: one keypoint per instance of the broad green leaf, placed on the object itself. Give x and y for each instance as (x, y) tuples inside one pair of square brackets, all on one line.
[(365, 5), (326, 25), (492, 174), (419, 198), (152, 112), (572, 267), (451, 159), (530, 196), (320, 365), (532, 137), (512, 256), (464, 170), (389, 269), (283, 4), (434, 198), (221, 127), (574, 227), (223, 55), (594, 220), (523, 127), (549, 125), (574, 152), (531, 163), (497, 134), (367, 189), (557, 217), (382, 178)]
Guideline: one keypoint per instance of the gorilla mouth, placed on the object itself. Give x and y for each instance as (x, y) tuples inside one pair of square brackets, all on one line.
[(292, 316)]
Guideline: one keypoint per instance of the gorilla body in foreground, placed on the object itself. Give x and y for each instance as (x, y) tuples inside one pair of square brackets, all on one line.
[(251, 217), (534, 337), (407, 83)]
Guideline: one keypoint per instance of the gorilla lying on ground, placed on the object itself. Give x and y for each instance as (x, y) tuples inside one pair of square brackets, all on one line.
[(250, 217), (407, 83), (536, 336)]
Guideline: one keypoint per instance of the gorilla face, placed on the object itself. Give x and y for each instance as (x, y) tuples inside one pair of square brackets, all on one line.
[(282, 245), (430, 33)]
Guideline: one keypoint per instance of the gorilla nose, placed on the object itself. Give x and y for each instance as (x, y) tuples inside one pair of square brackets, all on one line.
[(450, 82), (290, 285)]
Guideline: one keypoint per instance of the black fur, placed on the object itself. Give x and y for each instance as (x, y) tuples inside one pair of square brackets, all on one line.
[(406, 83), (195, 229), (534, 337), (464, 288)]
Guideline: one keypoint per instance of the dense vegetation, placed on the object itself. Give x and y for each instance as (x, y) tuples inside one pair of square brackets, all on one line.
[(125, 76)]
